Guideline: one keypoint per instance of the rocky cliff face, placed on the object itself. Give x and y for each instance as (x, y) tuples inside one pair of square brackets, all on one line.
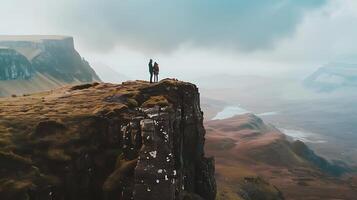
[(102, 141), (51, 58), (14, 65)]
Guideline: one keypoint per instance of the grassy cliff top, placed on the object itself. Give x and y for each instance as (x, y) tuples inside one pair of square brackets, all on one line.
[(83, 99), (32, 38), (46, 135), (21, 115)]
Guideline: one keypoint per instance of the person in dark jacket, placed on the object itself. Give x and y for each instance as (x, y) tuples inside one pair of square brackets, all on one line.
[(156, 72), (151, 70)]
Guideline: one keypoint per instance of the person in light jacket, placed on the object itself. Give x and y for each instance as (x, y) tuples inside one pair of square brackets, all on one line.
[(156, 72)]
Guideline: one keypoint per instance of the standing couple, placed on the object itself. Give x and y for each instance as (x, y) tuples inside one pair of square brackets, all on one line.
[(154, 70)]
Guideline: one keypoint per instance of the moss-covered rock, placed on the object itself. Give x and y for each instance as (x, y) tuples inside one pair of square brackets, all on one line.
[(88, 142)]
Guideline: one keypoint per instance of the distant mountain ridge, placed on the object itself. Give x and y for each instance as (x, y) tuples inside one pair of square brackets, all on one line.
[(256, 161), (35, 63), (333, 76)]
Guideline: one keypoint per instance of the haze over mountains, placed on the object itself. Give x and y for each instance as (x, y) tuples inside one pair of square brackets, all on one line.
[(268, 88), (324, 117), (333, 76), (35, 63), (108, 74), (310, 111)]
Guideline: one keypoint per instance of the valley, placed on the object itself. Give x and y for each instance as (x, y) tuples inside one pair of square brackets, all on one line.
[(325, 120), (248, 151)]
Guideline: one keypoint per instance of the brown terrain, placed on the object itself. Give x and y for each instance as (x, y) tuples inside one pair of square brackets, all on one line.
[(105, 142), (255, 161), (146, 141)]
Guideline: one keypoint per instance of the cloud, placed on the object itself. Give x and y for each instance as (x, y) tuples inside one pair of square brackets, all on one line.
[(162, 26), (263, 37), (325, 35)]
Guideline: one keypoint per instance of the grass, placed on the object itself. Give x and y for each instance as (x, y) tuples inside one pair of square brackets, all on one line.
[(58, 155), (155, 101), (15, 189), (42, 133), (227, 193)]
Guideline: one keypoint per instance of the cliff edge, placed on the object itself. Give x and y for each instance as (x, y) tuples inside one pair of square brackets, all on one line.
[(105, 141)]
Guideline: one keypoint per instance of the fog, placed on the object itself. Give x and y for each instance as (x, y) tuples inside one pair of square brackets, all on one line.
[(253, 55), (191, 39)]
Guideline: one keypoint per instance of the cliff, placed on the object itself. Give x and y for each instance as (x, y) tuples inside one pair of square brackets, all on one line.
[(35, 63), (14, 65), (104, 141)]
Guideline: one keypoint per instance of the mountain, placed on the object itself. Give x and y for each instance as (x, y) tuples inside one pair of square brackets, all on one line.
[(36, 63), (333, 76), (256, 161), (107, 74), (105, 141)]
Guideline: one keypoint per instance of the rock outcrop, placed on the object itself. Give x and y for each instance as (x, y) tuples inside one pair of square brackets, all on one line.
[(104, 141), (39, 62), (333, 76), (14, 65)]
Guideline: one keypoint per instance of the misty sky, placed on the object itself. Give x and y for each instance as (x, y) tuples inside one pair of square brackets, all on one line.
[(193, 38)]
